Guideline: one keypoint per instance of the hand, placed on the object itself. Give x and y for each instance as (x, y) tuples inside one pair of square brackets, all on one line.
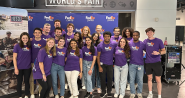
[(90, 72), (44, 78), (80, 75), (155, 53), (16, 71), (100, 69)]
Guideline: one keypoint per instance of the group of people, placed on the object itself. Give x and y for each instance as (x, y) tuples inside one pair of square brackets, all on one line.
[(59, 55)]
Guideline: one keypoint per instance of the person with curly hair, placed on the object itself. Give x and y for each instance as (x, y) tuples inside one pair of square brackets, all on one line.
[(127, 33)]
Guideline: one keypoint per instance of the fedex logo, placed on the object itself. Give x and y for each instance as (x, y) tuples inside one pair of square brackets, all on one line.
[(30, 18), (111, 18), (60, 53), (150, 44), (26, 49), (37, 45), (49, 18), (88, 53), (91, 18), (72, 54), (135, 48), (108, 48), (50, 56), (78, 30), (70, 18), (120, 51)]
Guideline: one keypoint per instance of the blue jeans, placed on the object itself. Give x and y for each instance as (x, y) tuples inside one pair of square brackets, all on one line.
[(58, 69), (96, 74), (87, 77), (120, 78), (136, 72)]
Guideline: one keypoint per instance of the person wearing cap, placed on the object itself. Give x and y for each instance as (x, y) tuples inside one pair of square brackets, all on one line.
[(7, 41)]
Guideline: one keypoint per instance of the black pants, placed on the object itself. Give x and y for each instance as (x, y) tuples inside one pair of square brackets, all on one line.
[(26, 73), (46, 86), (107, 73)]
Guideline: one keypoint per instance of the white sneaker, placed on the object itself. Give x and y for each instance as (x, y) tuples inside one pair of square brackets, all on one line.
[(56, 96), (51, 94), (121, 96), (128, 87), (83, 87), (150, 96), (66, 86), (132, 95), (25, 96), (99, 90), (32, 96), (115, 95), (39, 94), (139, 95)]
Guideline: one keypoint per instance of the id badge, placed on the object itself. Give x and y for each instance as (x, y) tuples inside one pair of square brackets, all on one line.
[(101, 63), (139, 68)]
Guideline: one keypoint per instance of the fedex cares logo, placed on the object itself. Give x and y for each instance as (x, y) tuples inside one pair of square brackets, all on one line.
[(135, 48), (49, 18), (120, 51), (150, 44), (111, 18), (37, 45), (70, 18), (90, 18), (25, 49), (88, 53), (30, 18), (78, 30), (108, 48)]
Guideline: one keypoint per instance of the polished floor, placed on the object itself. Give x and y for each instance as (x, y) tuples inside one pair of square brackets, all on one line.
[(169, 90)]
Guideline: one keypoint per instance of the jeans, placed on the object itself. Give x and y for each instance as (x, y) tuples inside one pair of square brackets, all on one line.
[(87, 77), (46, 86), (136, 72), (72, 77), (107, 73), (58, 69), (120, 78), (95, 74)]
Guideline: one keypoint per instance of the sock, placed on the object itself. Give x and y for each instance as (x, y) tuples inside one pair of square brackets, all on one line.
[(150, 92), (159, 96)]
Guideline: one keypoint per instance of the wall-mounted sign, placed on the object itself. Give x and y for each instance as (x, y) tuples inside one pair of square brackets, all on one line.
[(15, 18)]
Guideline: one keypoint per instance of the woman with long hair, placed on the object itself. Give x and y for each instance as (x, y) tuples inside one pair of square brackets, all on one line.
[(78, 38), (122, 52), (73, 67), (58, 68), (22, 63), (89, 59), (85, 32), (95, 74), (127, 33), (42, 67)]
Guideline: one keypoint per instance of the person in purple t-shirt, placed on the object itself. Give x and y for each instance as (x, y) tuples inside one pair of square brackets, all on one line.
[(73, 67), (37, 43), (154, 50), (22, 63), (69, 35), (89, 59), (122, 52), (57, 24), (46, 30), (58, 68), (116, 36), (136, 67), (99, 31), (105, 62), (127, 33), (42, 67), (58, 33), (78, 38), (85, 32)]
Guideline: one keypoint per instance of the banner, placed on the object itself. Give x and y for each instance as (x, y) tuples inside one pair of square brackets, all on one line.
[(12, 23), (108, 20)]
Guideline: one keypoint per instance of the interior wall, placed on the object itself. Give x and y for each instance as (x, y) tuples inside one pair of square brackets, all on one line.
[(181, 16), (164, 10)]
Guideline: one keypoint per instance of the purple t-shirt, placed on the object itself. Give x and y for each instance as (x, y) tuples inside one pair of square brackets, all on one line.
[(129, 39), (72, 62), (56, 42), (36, 46), (87, 55), (68, 39), (115, 39), (23, 57), (136, 55), (101, 38), (60, 57), (107, 51), (153, 45), (120, 57), (45, 37), (52, 33), (47, 62)]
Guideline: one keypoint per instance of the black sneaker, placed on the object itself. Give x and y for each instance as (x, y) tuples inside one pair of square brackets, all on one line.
[(102, 95), (91, 96), (109, 95), (87, 95)]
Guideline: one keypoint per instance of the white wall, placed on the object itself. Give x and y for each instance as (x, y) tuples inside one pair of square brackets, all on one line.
[(180, 15), (164, 10)]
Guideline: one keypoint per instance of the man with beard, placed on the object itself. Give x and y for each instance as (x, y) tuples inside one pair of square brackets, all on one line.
[(58, 33), (45, 32), (116, 36), (57, 23)]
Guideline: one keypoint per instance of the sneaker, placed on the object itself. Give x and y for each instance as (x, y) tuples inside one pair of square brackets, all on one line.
[(121, 96), (115, 95), (99, 90), (87, 95), (32, 96), (26, 97), (66, 86), (128, 87), (39, 94), (83, 87), (56, 96), (91, 96), (71, 96), (150, 96), (139, 95), (75, 96), (109, 95), (102, 95), (132, 95), (51, 94)]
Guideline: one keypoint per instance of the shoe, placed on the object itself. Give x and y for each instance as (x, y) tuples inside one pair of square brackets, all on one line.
[(150, 96), (102, 95), (132, 95), (128, 87), (139, 95), (99, 90), (71, 96), (115, 95), (32, 96), (87, 95), (109, 95), (83, 87), (39, 95), (66, 86), (37, 90), (121, 96), (51, 94), (75, 96), (25, 96), (91, 96), (136, 86), (56, 96)]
